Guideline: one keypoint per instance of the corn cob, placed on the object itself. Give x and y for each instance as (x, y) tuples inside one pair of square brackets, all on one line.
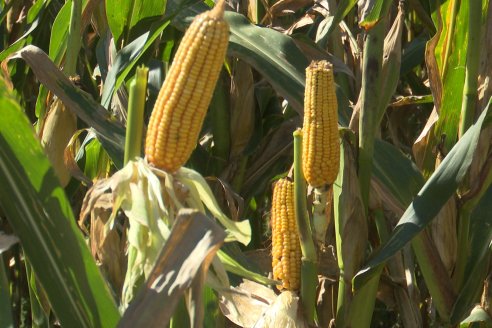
[(320, 143), (184, 98), (286, 247)]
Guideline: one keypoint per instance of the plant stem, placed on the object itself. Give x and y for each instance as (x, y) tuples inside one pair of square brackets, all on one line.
[(362, 306), (344, 287), (320, 219), (309, 272), (371, 69), (74, 39), (472, 65), (468, 105), (136, 106)]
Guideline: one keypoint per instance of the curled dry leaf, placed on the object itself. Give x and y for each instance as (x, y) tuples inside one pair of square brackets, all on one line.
[(284, 312), (443, 233), (108, 247), (245, 304)]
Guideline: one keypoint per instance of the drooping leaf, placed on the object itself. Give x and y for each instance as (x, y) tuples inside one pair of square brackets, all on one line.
[(109, 131), (430, 199)]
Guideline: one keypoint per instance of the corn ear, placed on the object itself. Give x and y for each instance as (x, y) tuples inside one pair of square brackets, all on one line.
[(320, 143), (286, 247), (184, 98), (57, 130)]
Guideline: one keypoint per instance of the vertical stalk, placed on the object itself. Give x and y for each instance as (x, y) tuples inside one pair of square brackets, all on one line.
[(468, 106), (309, 272), (362, 306), (371, 80), (344, 287), (472, 65), (74, 39), (136, 106)]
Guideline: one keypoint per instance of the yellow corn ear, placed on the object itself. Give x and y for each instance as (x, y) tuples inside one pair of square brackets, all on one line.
[(320, 142), (184, 98), (286, 247)]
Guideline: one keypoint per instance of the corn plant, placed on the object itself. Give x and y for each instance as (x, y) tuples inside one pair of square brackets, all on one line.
[(252, 164)]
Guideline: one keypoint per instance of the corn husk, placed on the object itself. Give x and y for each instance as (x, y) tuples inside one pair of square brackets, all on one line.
[(58, 128), (283, 313)]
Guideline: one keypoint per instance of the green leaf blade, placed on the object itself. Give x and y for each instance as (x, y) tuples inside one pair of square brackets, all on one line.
[(42, 218)]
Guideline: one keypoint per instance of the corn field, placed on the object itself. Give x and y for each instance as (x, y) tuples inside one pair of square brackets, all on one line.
[(257, 164)]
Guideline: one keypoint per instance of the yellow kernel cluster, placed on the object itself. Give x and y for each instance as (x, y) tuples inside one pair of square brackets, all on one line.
[(286, 247), (320, 143), (183, 100)]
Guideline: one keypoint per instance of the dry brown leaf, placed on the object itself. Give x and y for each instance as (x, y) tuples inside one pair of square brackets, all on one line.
[(108, 247), (188, 252), (282, 6), (420, 145), (245, 305), (443, 233)]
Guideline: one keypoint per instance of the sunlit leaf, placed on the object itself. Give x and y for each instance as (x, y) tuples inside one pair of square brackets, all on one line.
[(123, 16), (41, 216), (446, 62)]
